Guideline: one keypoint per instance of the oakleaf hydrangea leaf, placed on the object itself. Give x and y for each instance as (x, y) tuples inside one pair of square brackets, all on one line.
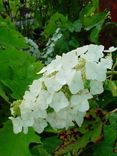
[(16, 145)]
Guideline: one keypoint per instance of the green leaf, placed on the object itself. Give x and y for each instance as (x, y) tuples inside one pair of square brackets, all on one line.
[(39, 151), (16, 145), (87, 11), (95, 3), (48, 146), (112, 87), (57, 20), (9, 37), (94, 36), (18, 70), (3, 94), (106, 147), (76, 26), (94, 20), (51, 143)]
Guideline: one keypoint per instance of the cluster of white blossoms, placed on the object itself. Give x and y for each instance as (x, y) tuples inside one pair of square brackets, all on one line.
[(51, 45), (34, 49), (60, 97)]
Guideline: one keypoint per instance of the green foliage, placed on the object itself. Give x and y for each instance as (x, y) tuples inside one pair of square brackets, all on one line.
[(18, 67), (112, 86), (17, 72), (39, 150), (9, 37), (12, 144), (88, 21), (93, 20), (56, 21), (108, 146), (48, 146), (76, 26), (48, 143)]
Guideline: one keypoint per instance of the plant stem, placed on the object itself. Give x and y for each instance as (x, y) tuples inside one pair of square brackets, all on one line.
[(112, 72)]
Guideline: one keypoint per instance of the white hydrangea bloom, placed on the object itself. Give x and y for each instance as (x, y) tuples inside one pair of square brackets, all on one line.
[(48, 51), (34, 49), (60, 97)]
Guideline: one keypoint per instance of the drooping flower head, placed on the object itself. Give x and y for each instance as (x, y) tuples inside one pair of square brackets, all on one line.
[(60, 97)]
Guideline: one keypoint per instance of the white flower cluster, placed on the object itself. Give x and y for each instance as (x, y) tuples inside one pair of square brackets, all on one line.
[(34, 49), (51, 44), (60, 97)]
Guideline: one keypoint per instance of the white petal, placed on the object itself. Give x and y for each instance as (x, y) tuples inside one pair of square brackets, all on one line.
[(107, 62), (27, 117), (80, 102), (95, 71), (17, 124), (82, 50), (79, 118), (61, 77), (76, 84), (96, 87), (38, 113), (94, 53), (85, 94), (56, 121), (65, 76), (55, 65), (61, 119), (69, 60), (59, 101), (52, 84), (35, 87), (78, 99), (84, 106), (39, 125), (111, 49), (29, 97), (44, 99)]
